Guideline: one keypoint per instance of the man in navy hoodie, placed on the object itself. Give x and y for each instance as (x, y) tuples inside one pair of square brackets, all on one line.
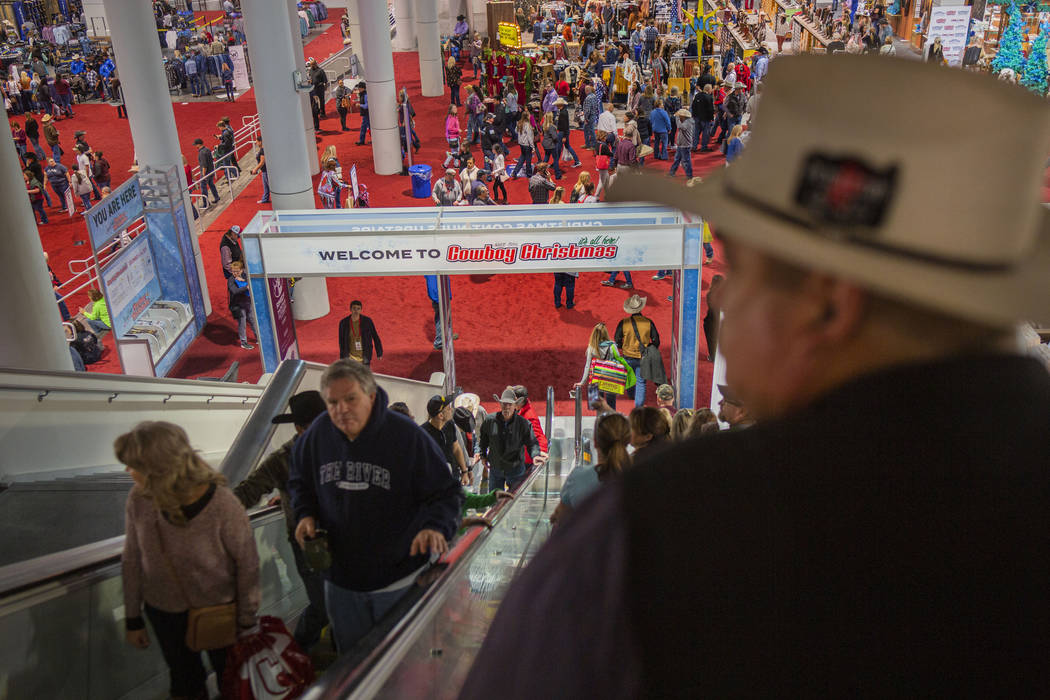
[(381, 489)]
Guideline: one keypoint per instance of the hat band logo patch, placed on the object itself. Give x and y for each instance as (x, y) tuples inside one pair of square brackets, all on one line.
[(845, 191)]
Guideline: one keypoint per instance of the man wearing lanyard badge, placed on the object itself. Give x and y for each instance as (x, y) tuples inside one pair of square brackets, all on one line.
[(358, 336)]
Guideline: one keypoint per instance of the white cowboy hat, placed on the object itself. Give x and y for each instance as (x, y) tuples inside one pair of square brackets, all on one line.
[(683, 112), (469, 402), (560, 101), (876, 197), (634, 304)]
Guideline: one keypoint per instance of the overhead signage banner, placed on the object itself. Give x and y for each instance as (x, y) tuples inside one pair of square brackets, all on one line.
[(512, 250), (110, 217)]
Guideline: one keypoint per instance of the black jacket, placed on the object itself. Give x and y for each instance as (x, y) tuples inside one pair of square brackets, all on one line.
[(562, 120), (369, 339), (502, 442), (703, 107), (490, 136), (887, 540)]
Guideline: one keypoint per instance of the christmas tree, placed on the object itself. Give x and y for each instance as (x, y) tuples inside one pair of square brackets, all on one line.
[(1034, 77), (1010, 54)]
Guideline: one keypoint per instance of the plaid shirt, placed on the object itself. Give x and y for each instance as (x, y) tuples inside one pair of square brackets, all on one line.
[(92, 78)]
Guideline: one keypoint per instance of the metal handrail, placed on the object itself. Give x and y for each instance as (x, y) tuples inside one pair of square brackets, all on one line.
[(577, 426), (340, 682), (93, 558), (250, 444), (550, 428)]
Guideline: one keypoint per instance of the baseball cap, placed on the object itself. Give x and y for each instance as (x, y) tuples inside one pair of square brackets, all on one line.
[(437, 402)]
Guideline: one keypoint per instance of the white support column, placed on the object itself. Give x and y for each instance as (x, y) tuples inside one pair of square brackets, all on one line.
[(273, 55), (431, 77), (353, 7), (405, 39), (304, 97), (382, 92), (33, 336), (150, 116), (478, 18)]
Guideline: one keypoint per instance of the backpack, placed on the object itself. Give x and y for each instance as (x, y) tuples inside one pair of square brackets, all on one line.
[(87, 345)]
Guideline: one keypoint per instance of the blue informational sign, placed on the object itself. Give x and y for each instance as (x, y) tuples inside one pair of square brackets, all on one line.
[(130, 284), (110, 217)]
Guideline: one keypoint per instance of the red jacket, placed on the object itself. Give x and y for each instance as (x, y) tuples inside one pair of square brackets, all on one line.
[(529, 413)]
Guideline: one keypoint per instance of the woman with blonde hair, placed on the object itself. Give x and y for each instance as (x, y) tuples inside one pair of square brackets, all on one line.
[(612, 433), (600, 346), (188, 546), (735, 145), (681, 423), (577, 192), (331, 186)]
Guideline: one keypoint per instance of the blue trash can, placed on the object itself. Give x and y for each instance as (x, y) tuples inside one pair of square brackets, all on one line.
[(420, 181)]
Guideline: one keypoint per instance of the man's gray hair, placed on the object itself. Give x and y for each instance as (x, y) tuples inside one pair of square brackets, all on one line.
[(349, 369)]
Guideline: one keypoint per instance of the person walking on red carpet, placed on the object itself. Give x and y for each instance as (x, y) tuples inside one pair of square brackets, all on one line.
[(207, 164), (358, 336), (241, 303)]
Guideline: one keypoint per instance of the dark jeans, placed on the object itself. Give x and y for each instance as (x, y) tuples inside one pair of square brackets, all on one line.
[(210, 182), (38, 207), (526, 160), (315, 617), (499, 479), (497, 187), (365, 126), (185, 667), (660, 141), (563, 280), (685, 157), (342, 117), (454, 95), (554, 154), (568, 147)]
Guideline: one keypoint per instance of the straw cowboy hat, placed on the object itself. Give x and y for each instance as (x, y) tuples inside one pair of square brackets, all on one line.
[(560, 101), (634, 304), (683, 112), (469, 402), (872, 195), (46, 118)]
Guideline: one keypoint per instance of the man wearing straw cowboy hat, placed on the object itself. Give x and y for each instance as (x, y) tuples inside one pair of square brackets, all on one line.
[(633, 335), (882, 529)]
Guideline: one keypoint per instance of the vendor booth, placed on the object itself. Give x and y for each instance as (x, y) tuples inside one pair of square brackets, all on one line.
[(473, 240)]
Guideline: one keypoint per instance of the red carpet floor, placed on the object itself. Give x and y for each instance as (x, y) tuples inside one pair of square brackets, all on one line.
[(530, 343)]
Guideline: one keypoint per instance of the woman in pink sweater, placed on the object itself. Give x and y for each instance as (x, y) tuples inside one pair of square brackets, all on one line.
[(188, 544)]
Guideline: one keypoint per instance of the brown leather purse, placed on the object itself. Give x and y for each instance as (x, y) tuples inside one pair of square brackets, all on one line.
[(210, 627)]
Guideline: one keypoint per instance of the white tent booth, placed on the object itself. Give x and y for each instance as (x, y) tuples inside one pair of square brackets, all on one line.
[(447, 241)]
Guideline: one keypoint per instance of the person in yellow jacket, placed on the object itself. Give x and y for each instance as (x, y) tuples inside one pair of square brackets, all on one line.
[(633, 334), (97, 314)]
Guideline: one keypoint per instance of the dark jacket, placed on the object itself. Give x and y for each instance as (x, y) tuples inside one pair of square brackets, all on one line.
[(703, 107), (239, 295), (270, 474), (562, 120), (373, 494), (503, 442), (882, 538), (490, 136), (205, 161), (369, 339)]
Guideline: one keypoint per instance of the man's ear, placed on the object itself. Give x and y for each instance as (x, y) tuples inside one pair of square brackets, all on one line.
[(835, 309)]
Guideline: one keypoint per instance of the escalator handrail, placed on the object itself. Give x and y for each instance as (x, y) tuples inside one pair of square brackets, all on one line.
[(88, 561), (340, 682), (240, 459), (119, 384), (254, 436)]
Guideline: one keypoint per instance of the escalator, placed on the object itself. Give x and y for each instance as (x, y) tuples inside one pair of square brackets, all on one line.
[(61, 611)]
